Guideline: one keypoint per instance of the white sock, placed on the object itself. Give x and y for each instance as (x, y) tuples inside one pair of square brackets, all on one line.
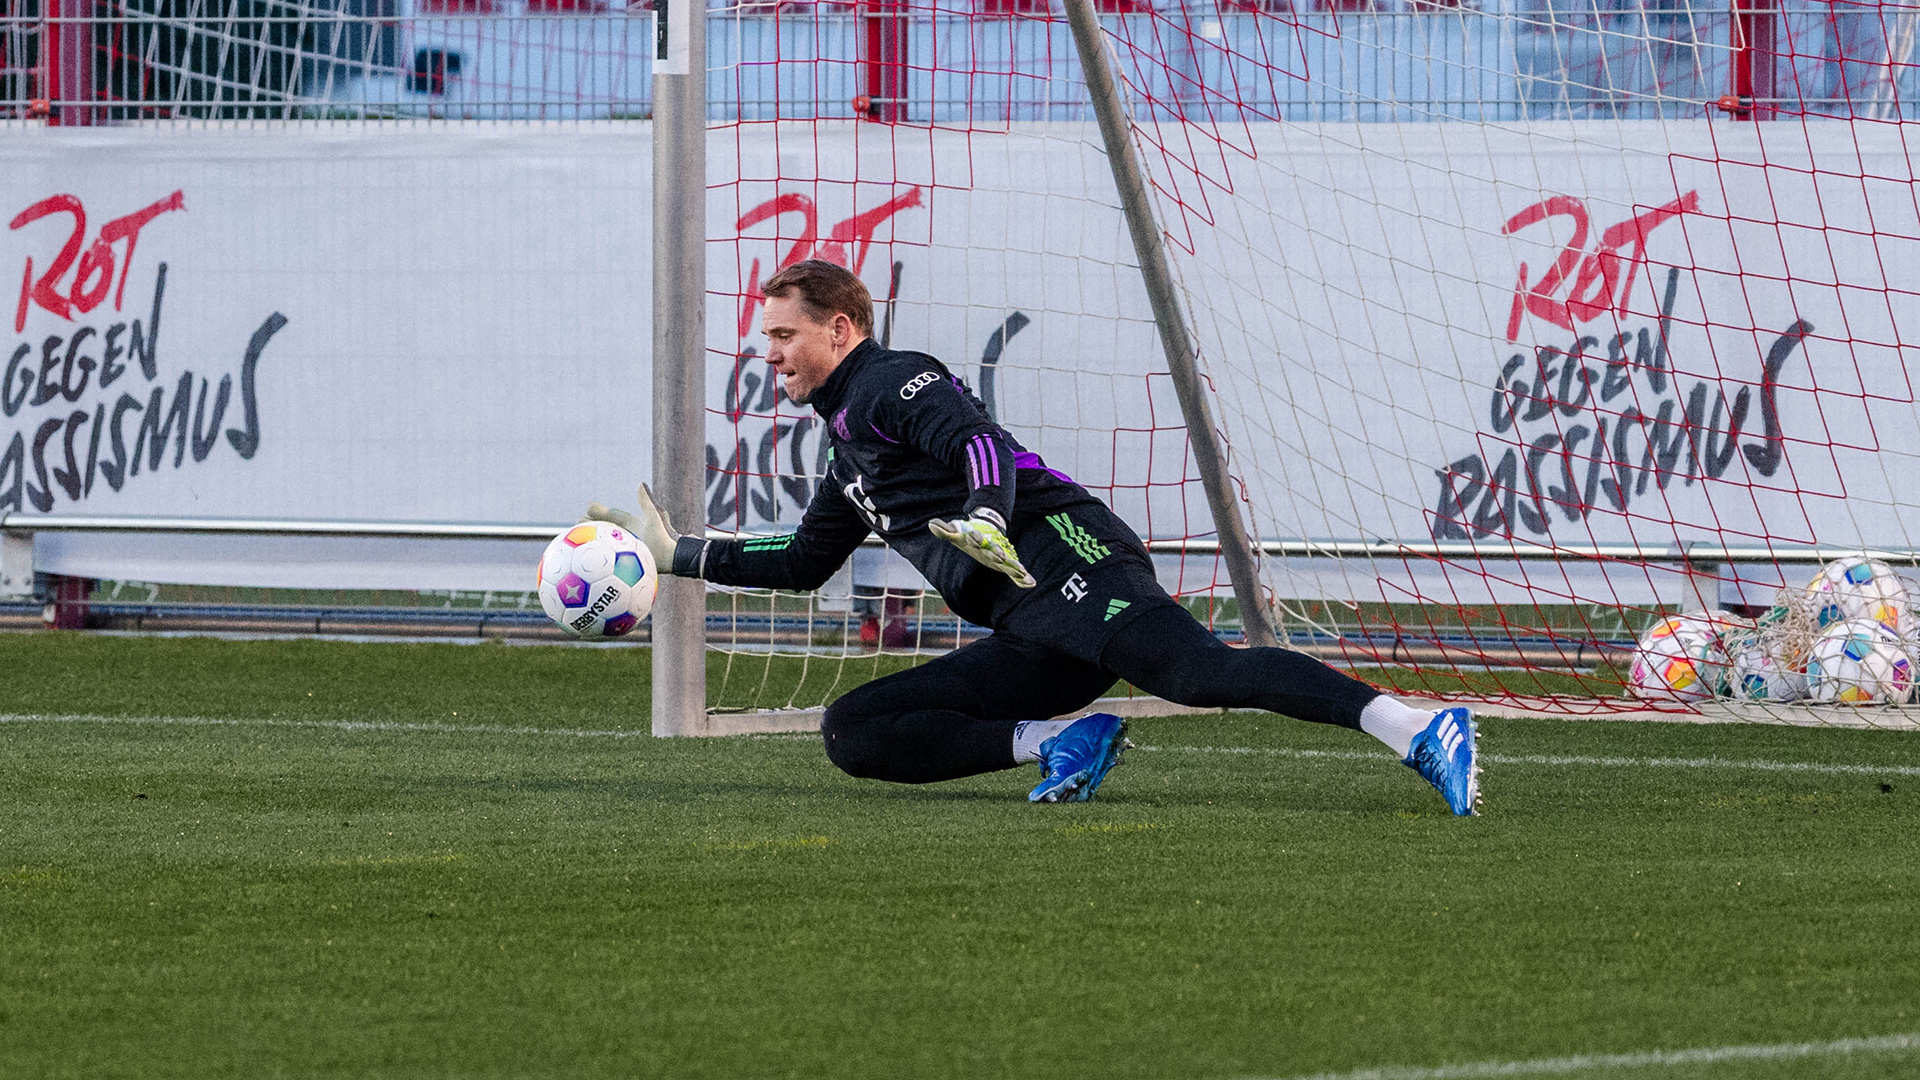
[(1394, 723), (1027, 738)]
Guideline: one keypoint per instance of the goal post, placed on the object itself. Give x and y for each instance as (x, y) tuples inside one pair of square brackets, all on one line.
[(1116, 134), (679, 353)]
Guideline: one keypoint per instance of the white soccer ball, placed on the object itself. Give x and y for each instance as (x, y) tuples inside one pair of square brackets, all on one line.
[(1857, 587), (1859, 662), (597, 580), (1759, 673), (1680, 659)]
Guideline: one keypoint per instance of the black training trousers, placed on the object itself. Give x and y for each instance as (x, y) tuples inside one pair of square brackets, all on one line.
[(954, 716)]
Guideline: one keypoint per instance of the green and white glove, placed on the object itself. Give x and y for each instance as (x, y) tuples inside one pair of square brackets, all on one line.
[(987, 543), (650, 525)]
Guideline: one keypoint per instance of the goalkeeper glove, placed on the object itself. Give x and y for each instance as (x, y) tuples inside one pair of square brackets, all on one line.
[(984, 540), (650, 525)]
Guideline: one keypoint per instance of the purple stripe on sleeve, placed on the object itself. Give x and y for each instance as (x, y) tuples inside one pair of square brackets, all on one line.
[(985, 442), (883, 434), (973, 467), (1027, 459)]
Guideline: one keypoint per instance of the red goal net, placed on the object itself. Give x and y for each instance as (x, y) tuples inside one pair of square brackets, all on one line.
[(1525, 327)]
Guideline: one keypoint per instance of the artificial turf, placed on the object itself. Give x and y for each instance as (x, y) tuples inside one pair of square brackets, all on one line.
[(316, 888)]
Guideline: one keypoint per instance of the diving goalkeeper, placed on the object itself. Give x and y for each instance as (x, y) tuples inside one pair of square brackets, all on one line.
[(1067, 588)]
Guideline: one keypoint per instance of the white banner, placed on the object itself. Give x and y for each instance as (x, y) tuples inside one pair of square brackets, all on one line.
[(1577, 333), (1414, 331), (321, 324), (1648, 333)]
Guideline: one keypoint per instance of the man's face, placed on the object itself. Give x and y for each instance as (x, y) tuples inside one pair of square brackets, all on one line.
[(803, 351)]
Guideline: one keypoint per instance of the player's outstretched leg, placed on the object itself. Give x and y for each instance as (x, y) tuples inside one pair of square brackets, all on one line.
[(1078, 758), (1167, 653), (1446, 754)]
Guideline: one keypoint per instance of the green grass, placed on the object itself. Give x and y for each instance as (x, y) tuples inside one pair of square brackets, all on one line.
[(81, 674), (267, 899)]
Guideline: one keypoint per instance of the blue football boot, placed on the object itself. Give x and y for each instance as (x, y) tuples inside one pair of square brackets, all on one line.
[(1077, 759), (1446, 756)]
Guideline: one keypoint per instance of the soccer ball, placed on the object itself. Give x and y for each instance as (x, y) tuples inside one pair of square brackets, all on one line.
[(1759, 672), (1680, 659), (1857, 587), (1859, 662), (597, 580), (1767, 661)]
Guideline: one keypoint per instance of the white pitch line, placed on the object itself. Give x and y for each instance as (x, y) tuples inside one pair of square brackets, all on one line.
[(1547, 759), (329, 725), (1285, 752), (1709, 763), (1596, 1062)]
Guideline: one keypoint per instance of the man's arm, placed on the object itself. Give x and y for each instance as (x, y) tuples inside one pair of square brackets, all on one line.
[(948, 424), (798, 561)]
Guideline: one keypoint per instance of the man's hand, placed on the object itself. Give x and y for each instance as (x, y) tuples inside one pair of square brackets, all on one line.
[(987, 543), (650, 525)]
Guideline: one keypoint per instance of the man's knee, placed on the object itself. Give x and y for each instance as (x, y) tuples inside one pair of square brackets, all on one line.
[(850, 746)]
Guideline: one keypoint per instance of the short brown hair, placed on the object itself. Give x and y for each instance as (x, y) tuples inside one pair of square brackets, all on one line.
[(825, 290)]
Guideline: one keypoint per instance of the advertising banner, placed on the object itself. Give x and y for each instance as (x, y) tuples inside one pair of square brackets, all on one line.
[(1622, 332), (321, 324)]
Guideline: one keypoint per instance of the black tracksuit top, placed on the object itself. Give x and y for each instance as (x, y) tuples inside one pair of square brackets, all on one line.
[(908, 443)]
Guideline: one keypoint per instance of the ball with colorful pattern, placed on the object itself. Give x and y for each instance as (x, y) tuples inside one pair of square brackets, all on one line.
[(1858, 587), (1859, 662), (1758, 672), (1680, 658), (596, 580)]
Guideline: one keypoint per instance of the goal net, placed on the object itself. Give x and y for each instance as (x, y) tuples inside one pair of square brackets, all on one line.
[(945, 153), (1546, 322), (1527, 324)]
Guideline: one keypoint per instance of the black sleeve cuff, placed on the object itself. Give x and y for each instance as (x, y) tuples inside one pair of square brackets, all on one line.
[(690, 556), (990, 515)]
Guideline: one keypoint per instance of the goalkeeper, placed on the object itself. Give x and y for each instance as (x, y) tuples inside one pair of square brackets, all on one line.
[(1067, 588)]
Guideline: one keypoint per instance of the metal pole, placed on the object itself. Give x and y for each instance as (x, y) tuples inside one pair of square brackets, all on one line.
[(1202, 435), (69, 58), (1750, 74), (679, 351), (1493, 549), (886, 60)]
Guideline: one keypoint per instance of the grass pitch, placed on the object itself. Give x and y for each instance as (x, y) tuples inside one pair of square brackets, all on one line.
[(204, 871)]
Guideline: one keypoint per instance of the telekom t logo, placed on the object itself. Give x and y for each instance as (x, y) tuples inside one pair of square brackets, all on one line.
[(1582, 285)]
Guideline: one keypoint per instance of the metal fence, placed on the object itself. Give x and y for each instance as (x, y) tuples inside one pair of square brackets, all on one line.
[(104, 61), (913, 622)]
